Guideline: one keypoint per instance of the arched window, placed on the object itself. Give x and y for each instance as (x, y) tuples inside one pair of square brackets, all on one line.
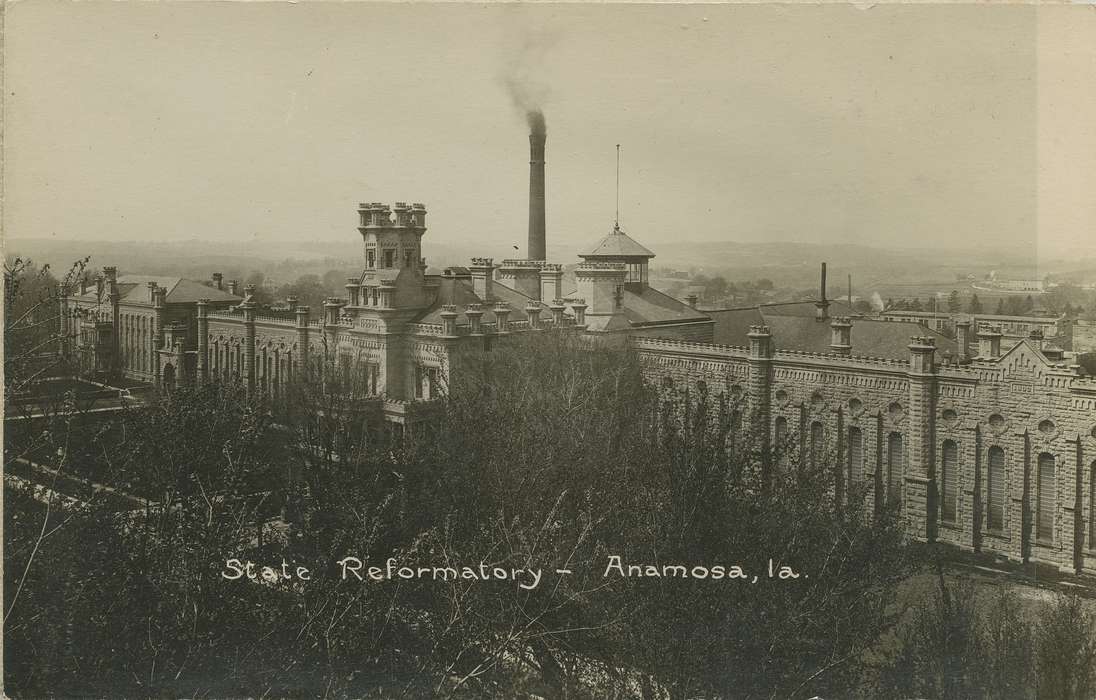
[(817, 444), (855, 456), (1045, 498), (995, 488), (949, 481), (896, 466)]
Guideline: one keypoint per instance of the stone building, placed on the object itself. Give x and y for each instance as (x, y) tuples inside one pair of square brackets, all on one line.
[(117, 326), (987, 443), (995, 452), (397, 326)]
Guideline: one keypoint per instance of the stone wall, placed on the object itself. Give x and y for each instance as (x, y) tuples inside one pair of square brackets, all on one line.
[(906, 414)]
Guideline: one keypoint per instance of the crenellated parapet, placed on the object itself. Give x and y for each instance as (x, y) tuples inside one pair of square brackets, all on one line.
[(399, 215), (524, 264)]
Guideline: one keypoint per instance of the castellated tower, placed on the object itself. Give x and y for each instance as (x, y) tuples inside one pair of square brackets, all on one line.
[(392, 237), (393, 277)]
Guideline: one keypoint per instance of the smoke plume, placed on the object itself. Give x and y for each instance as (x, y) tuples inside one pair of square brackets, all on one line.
[(527, 96), (523, 77), (535, 117)]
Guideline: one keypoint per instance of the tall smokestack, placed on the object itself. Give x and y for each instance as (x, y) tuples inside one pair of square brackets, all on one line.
[(537, 137)]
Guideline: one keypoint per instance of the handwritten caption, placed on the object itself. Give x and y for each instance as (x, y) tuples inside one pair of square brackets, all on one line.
[(528, 578)]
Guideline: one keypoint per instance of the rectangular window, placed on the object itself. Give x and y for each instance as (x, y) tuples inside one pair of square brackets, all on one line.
[(855, 455), (780, 439), (817, 444), (372, 373), (345, 368), (420, 382), (408, 257), (389, 258), (371, 259), (995, 488), (1045, 499), (895, 467), (949, 481)]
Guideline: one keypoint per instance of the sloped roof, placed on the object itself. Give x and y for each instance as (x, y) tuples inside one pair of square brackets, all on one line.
[(134, 289), (644, 305), (647, 305), (607, 322), (732, 325), (460, 292), (794, 327), (617, 245), (892, 338)]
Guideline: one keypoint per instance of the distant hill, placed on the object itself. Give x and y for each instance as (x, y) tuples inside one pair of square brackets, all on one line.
[(793, 265)]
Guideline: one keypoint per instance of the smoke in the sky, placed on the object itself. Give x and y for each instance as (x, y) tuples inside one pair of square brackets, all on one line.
[(535, 117), (528, 96), (523, 78)]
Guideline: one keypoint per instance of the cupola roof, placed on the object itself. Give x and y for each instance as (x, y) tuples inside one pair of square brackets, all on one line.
[(617, 245)]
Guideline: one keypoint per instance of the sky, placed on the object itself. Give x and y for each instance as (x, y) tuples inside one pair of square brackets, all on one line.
[(941, 126)]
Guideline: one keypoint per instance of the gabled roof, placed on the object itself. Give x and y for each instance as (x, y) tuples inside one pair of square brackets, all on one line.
[(1026, 348), (617, 245), (134, 289)]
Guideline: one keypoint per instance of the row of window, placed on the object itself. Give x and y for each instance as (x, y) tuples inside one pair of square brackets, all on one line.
[(388, 257), (1045, 495), (276, 368), (136, 343)]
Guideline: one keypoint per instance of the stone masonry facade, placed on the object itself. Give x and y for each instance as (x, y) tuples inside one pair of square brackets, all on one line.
[(996, 455)]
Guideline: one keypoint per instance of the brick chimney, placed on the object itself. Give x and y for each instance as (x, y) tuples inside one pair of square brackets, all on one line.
[(551, 281), (989, 341), (483, 277), (841, 336), (962, 337), (537, 245)]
